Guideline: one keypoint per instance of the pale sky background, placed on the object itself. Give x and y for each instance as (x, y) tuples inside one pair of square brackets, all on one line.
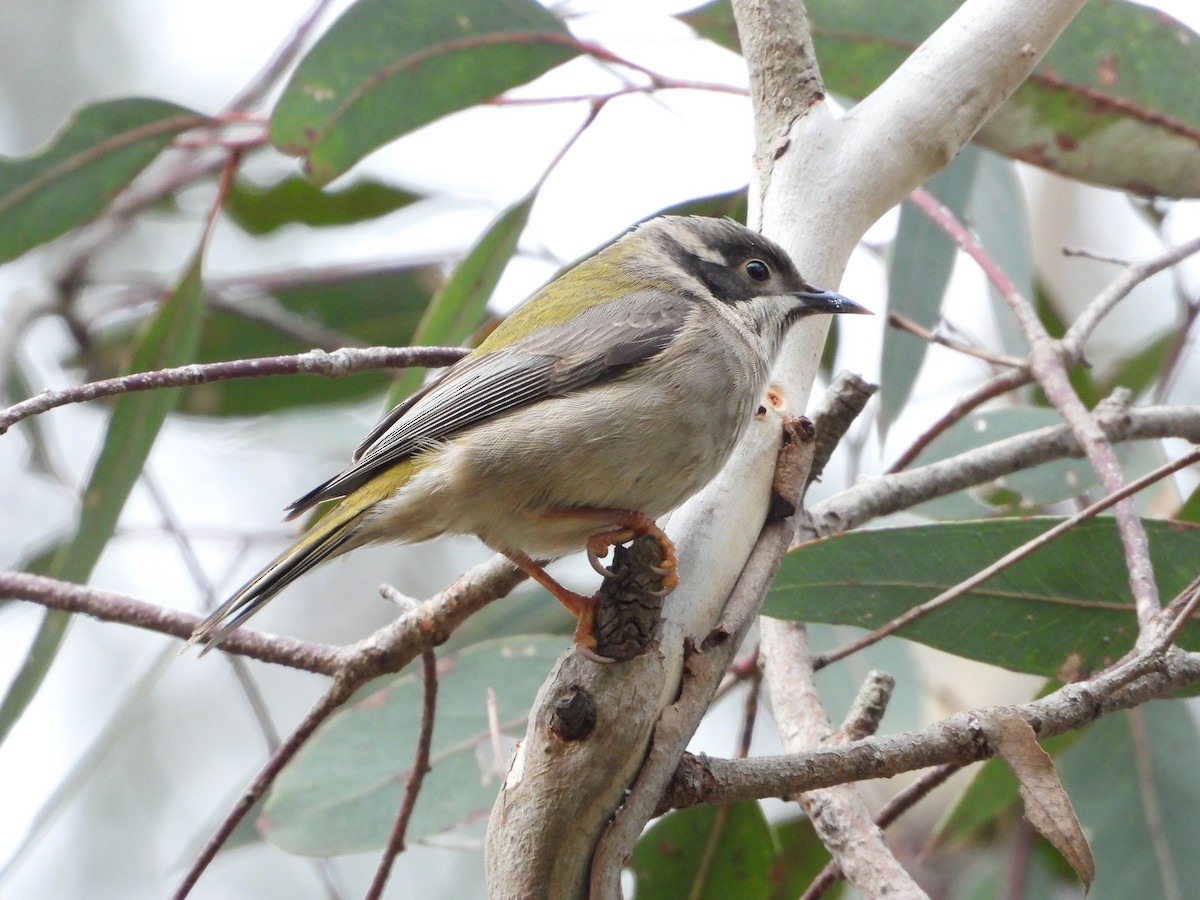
[(189, 743)]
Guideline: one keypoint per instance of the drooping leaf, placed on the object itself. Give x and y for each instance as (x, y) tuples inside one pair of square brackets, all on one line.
[(94, 157), (341, 792), (718, 852), (992, 794), (262, 209), (922, 258), (1064, 609), (1047, 806), (1112, 103), (387, 67), (169, 340)]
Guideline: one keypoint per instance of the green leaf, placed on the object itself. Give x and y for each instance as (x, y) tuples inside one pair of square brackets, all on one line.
[(1113, 102), (458, 309), (921, 261), (137, 417), (1132, 780), (373, 308), (1036, 486), (730, 205), (1063, 610), (718, 852), (801, 858), (380, 308), (260, 210), (1142, 368), (996, 210), (89, 162), (342, 791), (1190, 510), (387, 67)]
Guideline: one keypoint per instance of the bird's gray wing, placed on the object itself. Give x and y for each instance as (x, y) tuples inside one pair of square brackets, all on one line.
[(600, 344)]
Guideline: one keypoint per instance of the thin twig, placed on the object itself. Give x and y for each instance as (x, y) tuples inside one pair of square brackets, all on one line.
[(315, 362), (1133, 275), (904, 323), (869, 499), (280, 61), (412, 786), (339, 692), (741, 669), (1178, 613), (1005, 561), (750, 714), (386, 651), (259, 709), (995, 387), (1097, 255), (111, 607), (1048, 363)]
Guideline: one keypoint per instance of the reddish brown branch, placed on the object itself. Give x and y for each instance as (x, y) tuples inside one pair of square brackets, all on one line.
[(412, 786), (315, 362)]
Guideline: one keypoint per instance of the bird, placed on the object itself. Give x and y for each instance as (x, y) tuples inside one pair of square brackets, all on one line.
[(606, 400)]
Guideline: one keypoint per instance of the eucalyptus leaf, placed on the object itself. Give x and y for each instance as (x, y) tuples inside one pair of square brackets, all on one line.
[(1132, 780), (94, 157), (168, 340), (717, 852), (921, 261), (1065, 610), (1113, 102), (387, 67), (342, 791), (261, 209)]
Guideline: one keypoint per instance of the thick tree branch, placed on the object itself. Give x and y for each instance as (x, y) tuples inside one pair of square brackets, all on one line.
[(958, 740), (838, 813), (892, 493)]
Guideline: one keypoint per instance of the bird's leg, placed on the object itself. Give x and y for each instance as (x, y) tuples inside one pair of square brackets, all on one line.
[(625, 525), (583, 608)]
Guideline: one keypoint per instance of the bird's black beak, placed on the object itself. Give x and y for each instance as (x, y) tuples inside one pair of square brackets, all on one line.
[(818, 300)]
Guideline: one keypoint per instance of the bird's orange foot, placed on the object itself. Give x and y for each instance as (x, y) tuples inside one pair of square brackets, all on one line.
[(626, 525), (634, 525)]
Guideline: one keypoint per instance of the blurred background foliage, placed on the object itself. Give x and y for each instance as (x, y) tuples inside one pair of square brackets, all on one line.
[(383, 197)]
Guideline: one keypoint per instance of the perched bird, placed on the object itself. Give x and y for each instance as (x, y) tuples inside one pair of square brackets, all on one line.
[(606, 400)]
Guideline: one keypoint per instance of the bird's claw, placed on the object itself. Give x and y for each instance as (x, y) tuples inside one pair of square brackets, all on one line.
[(601, 568)]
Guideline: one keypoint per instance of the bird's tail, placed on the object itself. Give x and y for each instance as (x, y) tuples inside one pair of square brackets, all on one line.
[(326, 538)]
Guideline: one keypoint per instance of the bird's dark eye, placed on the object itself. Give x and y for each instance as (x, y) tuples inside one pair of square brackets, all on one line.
[(758, 270)]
